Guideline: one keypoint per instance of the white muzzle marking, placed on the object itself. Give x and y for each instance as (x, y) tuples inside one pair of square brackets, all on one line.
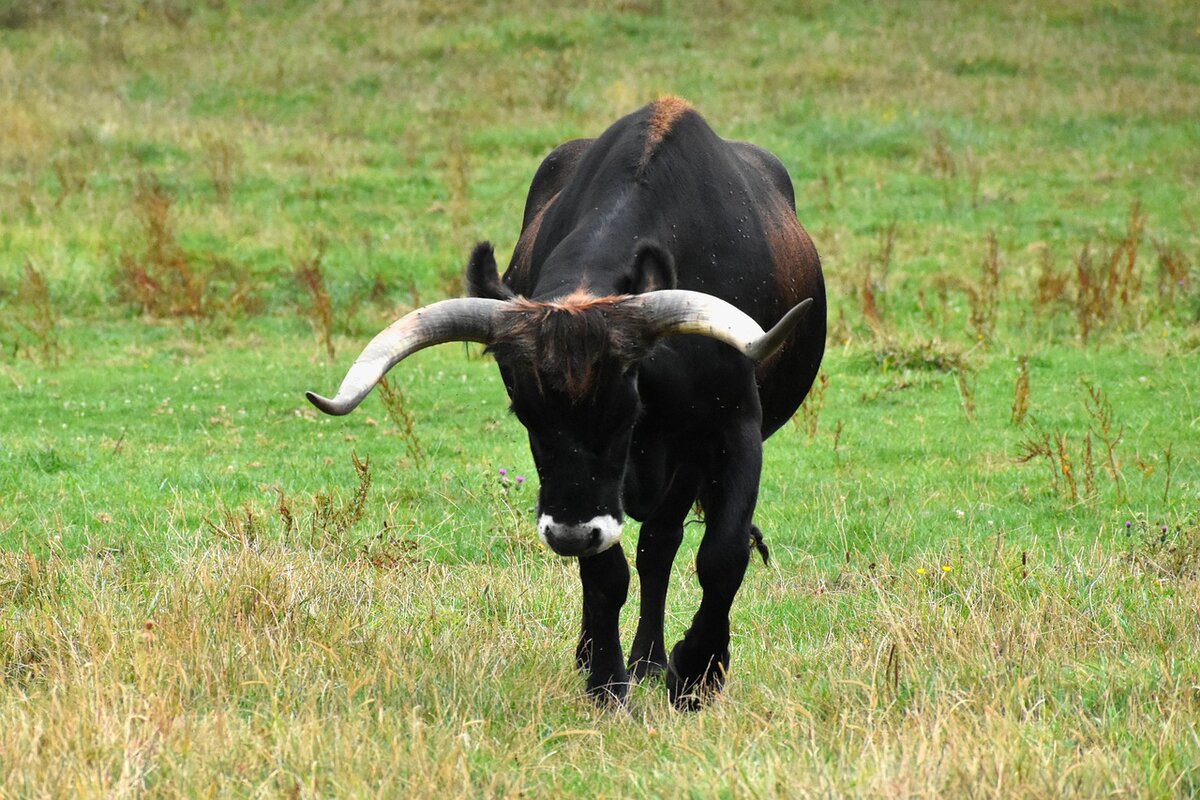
[(583, 538)]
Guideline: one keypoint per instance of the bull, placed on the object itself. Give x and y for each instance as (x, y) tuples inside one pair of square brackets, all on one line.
[(662, 315)]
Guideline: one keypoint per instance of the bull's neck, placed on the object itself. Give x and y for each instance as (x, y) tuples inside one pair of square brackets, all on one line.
[(596, 258)]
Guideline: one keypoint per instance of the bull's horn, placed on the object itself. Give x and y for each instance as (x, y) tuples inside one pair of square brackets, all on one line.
[(464, 319), (682, 311)]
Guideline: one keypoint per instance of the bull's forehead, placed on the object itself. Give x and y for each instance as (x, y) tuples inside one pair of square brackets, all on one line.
[(573, 344)]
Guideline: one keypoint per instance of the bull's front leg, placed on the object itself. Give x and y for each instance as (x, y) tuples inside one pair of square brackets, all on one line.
[(658, 542), (605, 579), (699, 662)]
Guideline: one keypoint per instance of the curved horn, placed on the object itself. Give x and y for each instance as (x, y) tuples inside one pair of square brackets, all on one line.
[(682, 311), (464, 319)]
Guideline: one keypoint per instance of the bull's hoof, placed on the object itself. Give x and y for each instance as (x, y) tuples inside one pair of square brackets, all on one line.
[(690, 687)]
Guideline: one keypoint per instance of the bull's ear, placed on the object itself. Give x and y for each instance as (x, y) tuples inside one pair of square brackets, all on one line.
[(653, 268), (483, 277)]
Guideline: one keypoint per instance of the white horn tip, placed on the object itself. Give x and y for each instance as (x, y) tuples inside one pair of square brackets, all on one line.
[(332, 407), (774, 338)]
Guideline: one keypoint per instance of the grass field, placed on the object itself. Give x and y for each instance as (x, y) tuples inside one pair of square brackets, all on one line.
[(985, 524)]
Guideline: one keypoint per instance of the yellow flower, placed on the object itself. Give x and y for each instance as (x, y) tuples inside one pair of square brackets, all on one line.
[(947, 568), (920, 570)]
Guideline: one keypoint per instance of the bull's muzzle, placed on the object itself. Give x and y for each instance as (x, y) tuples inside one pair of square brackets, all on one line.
[(581, 538)]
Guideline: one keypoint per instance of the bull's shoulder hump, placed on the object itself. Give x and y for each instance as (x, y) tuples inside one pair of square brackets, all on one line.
[(767, 165), (553, 173)]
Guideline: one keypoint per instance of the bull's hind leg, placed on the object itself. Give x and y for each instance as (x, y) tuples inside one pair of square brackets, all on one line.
[(658, 542), (700, 661), (605, 579)]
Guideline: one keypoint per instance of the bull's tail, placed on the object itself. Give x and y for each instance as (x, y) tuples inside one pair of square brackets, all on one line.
[(756, 539)]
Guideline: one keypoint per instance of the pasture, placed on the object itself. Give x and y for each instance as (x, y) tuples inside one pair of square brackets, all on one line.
[(984, 524)]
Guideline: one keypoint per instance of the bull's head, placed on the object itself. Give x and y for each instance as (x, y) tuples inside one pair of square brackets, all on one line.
[(570, 369)]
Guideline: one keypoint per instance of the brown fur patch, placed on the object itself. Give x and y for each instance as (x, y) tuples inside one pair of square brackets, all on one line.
[(529, 238), (574, 304), (666, 113), (791, 251), (571, 343)]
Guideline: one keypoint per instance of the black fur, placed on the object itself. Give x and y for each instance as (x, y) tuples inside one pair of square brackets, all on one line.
[(483, 279), (657, 201)]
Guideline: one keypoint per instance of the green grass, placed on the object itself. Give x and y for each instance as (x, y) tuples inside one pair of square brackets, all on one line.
[(200, 592)]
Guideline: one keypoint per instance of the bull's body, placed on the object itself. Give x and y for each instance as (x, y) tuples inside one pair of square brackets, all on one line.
[(633, 397), (724, 212)]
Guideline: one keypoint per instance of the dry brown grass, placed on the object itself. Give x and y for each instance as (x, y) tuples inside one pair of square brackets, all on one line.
[(260, 669)]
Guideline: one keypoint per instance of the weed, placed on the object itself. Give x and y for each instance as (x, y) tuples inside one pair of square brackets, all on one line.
[(311, 278), (1175, 277), (231, 290), (935, 317), (1169, 461), (1111, 286), (1052, 449), (1020, 406), (40, 318), (814, 404), (1051, 292), (966, 379), (1106, 430), (1168, 552), (331, 519), (162, 280), (385, 552), (1089, 470), (1064, 465), (891, 670), (328, 522), (870, 302), (397, 404), (284, 507), (942, 162), (873, 286), (985, 296), (1090, 303), (242, 526), (1124, 280)]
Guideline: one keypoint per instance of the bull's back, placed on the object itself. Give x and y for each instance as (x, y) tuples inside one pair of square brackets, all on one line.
[(724, 209), (746, 246)]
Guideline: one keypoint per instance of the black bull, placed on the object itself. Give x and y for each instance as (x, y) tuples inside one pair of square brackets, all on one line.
[(628, 330)]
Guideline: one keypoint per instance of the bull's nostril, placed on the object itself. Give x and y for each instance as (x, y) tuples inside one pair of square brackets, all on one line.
[(594, 537)]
